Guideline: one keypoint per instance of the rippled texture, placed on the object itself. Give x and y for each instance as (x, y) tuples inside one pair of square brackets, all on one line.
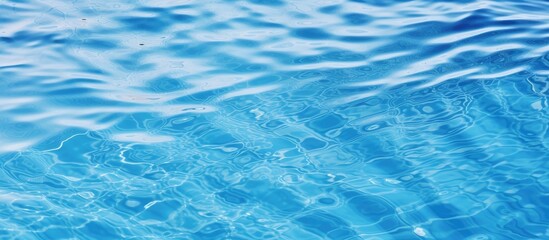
[(261, 119)]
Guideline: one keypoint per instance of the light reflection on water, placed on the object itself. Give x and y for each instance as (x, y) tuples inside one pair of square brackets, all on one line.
[(274, 119)]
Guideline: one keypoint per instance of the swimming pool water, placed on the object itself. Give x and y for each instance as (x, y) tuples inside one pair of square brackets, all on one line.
[(274, 119)]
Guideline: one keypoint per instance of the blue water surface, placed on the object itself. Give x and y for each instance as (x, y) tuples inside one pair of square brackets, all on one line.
[(274, 119)]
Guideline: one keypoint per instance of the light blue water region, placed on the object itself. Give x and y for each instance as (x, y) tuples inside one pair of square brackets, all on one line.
[(274, 119)]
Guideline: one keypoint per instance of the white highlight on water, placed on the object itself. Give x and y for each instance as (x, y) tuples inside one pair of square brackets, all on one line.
[(420, 231)]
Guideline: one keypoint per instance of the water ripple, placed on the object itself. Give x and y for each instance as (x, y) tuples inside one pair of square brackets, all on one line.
[(276, 119)]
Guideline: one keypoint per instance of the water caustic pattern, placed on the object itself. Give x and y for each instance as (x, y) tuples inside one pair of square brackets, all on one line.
[(272, 119)]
